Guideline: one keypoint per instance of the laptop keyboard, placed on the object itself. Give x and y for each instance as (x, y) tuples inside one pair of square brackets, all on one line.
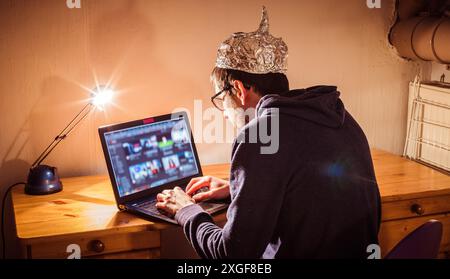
[(150, 206)]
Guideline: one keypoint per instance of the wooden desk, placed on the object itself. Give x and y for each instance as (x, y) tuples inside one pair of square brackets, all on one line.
[(84, 213)]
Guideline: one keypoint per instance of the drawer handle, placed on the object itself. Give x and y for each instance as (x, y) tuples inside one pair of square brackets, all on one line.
[(97, 246), (417, 209)]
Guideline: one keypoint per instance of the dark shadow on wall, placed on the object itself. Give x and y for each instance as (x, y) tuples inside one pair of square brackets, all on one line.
[(13, 170), (10, 167)]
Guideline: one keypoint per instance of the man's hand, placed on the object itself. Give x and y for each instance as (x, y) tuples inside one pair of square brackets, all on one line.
[(217, 188), (170, 201)]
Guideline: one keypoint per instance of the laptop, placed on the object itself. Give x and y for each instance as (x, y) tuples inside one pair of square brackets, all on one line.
[(147, 156)]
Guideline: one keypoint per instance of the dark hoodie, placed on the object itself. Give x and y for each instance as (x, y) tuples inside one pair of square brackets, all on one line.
[(316, 197)]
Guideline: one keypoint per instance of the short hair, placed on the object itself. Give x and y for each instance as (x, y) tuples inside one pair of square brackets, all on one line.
[(262, 84)]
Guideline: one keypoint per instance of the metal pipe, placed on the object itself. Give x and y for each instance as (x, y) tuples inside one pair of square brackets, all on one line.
[(423, 37)]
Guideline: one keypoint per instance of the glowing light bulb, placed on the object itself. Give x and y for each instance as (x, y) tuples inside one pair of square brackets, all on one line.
[(101, 96)]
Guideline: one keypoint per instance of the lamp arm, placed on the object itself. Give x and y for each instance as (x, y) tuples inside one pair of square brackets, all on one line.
[(64, 133)]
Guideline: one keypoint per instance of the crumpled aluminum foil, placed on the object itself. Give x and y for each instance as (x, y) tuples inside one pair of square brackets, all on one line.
[(256, 52)]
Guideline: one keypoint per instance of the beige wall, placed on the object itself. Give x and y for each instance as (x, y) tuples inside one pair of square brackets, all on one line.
[(159, 55)]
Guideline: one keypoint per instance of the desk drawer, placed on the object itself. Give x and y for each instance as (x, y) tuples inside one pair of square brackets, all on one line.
[(92, 245), (415, 207), (391, 232)]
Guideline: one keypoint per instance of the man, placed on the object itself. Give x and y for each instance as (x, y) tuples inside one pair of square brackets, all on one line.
[(315, 197)]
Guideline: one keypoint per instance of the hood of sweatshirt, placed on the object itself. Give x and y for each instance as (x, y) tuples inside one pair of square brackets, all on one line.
[(318, 104)]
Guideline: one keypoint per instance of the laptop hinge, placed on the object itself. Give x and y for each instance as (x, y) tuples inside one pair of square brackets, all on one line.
[(122, 207)]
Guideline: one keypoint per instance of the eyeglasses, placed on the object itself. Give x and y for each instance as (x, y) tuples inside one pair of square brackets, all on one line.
[(218, 101)]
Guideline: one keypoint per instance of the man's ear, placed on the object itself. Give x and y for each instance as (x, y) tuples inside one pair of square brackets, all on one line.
[(241, 91)]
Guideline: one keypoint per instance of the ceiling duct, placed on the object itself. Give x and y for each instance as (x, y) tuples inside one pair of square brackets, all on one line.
[(422, 30)]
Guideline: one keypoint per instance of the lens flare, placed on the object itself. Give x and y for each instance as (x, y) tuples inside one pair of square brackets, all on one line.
[(101, 96)]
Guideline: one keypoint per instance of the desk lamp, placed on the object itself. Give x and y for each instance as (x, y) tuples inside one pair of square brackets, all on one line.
[(44, 179)]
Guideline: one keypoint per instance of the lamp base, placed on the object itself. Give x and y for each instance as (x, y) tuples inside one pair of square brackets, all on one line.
[(43, 180)]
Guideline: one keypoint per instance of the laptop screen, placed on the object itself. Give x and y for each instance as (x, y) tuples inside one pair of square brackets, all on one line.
[(150, 155)]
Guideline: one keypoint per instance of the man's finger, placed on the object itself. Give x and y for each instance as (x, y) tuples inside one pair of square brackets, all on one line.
[(161, 205), (198, 185), (197, 180), (178, 189), (160, 197), (206, 195), (166, 208), (193, 180), (203, 196), (166, 192)]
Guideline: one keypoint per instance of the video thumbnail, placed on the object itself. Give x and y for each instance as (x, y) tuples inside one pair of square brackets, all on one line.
[(170, 163), (179, 133), (149, 143), (141, 172), (132, 148), (165, 141)]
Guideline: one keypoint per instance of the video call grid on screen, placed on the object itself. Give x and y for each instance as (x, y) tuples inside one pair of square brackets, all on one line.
[(150, 155)]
